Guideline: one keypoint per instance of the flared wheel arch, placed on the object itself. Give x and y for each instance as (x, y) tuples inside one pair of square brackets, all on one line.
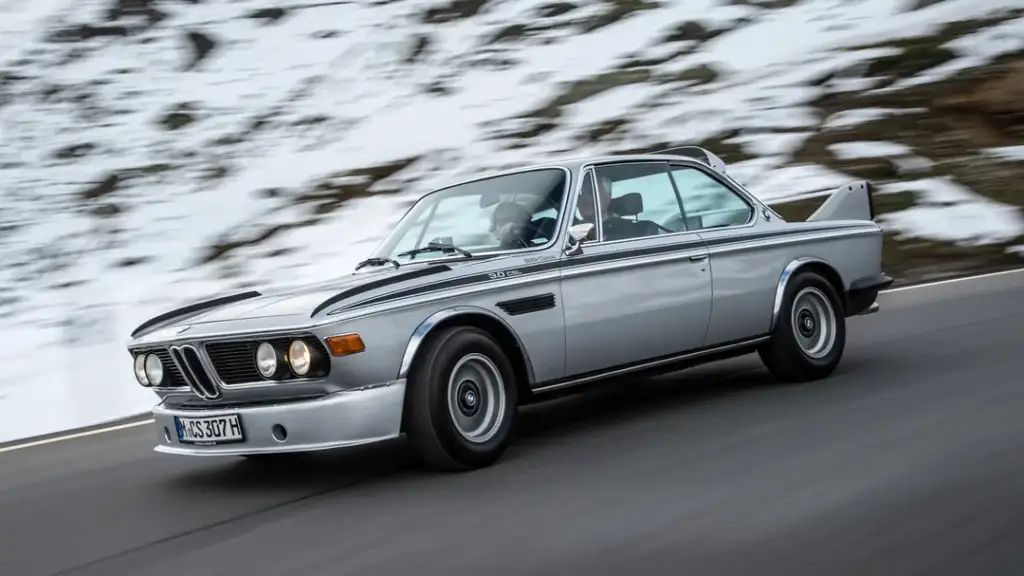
[(480, 318), (806, 263)]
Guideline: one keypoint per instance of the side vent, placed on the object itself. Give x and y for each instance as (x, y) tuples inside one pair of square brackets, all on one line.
[(528, 304)]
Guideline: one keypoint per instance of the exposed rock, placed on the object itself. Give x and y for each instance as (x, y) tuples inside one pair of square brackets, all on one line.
[(178, 118), (1001, 98), (74, 151), (617, 10), (268, 15), (690, 31), (201, 45), (106, 210), (920, 4), (555, 9), (107, 186), (419, 47), (140, 8), (454, 10), (87, 32)]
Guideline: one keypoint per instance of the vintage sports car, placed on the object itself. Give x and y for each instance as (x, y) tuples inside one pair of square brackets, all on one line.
[(493, 292)]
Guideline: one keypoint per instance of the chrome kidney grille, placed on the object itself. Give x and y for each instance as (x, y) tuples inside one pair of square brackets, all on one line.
[(186, 357)]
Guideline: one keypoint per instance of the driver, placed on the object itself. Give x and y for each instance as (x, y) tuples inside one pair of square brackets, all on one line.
[(510, 225)]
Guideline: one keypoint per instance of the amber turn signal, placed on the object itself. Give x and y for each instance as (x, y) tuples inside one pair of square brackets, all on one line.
[(345, 344)]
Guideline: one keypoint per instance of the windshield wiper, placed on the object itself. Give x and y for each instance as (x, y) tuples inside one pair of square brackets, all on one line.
[(378, 262), (436, 247)]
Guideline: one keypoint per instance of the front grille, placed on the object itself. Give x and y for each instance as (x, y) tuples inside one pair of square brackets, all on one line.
[(235, 361), (187, 358)]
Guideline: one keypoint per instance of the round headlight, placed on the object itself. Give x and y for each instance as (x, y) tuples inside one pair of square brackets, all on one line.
[(154, 369), (140, 370), (299, 357), (266, 360)]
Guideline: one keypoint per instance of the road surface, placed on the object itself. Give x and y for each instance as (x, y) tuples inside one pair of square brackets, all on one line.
[(909, 460)]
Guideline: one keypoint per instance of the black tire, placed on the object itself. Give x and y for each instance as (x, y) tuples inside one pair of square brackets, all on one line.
[(431, 426), (783, 354)]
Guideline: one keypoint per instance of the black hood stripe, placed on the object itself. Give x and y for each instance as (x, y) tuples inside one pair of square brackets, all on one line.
[(193, 308), (393, 279)]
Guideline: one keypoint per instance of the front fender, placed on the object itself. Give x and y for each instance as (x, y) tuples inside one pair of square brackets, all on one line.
[(423, 330)]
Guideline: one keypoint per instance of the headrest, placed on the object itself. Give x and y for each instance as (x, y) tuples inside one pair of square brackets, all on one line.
[(630, 204)]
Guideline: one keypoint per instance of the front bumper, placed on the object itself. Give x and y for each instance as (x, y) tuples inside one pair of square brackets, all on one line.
[(337, 420)]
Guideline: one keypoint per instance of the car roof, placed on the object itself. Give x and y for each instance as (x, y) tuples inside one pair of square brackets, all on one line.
[(574, 164)]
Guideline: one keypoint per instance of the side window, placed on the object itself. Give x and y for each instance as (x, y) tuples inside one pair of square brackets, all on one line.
[(586, 207), (637, 200), (709, 203)]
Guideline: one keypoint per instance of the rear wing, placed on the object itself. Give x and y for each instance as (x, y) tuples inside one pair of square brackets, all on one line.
[(850, 202)]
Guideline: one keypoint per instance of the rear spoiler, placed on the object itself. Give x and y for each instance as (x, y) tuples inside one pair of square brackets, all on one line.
[(850, 202)]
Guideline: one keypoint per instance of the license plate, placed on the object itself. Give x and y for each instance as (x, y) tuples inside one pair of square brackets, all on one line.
[(209, 431)]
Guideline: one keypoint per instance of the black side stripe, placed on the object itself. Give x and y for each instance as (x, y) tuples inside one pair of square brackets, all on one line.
[(528, 304), (585, 260), (355, 290), (527, 269), (193, 308)]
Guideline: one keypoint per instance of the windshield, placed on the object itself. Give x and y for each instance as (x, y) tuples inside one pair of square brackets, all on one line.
[(506, 212)]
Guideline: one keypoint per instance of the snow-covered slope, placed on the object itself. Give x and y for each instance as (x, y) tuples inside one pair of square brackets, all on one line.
[(152, 153)]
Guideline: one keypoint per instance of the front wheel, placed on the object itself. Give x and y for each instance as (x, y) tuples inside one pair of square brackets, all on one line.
[(461, 400), (809, 336)]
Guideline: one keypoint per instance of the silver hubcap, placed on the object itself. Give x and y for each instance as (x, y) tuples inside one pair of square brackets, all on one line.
[(814, 322), (476, 398)]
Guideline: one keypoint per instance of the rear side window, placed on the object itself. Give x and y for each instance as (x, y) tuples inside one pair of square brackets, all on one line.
[(641, 193), (707, 202)]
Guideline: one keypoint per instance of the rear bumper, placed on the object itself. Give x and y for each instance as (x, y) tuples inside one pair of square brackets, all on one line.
[(863, 293), (337, 420)]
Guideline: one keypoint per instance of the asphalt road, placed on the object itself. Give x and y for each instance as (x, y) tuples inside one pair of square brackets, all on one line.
[(909, 460)]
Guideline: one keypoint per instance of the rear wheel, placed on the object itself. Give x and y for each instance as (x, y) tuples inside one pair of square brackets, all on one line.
[(809, 336), (461, 400)]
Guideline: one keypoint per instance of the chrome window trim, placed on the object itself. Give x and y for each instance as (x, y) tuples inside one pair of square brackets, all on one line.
[(649, 160)]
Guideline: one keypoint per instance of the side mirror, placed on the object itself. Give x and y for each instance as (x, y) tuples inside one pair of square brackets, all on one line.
[(577, 236), (578, 233)]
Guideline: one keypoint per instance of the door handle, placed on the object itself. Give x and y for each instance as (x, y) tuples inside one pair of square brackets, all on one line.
[(698, 257)]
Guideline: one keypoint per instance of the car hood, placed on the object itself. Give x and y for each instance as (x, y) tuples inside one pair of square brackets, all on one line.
[(290, 307), (296, 301)]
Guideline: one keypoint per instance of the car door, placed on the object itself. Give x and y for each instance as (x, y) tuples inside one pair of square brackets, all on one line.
[(745, 272), (631, 299)]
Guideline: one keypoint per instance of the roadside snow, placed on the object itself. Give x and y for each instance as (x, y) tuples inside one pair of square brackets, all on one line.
[(949, 212), (1015, 153), (901, 155)]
